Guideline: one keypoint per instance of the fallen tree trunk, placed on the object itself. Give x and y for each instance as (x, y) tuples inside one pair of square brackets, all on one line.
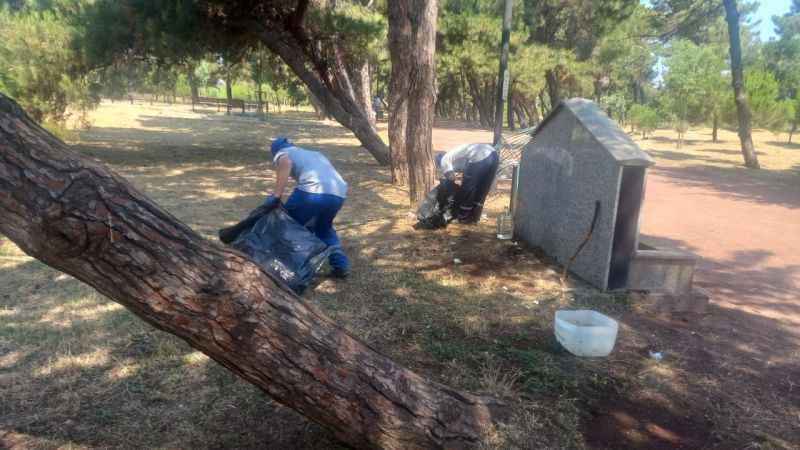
[(76, 215)]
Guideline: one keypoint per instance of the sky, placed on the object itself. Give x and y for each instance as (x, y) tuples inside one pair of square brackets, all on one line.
[(766, 10)]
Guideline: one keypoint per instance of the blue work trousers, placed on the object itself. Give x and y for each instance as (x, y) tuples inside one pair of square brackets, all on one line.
[(477, 181), (316, 212)]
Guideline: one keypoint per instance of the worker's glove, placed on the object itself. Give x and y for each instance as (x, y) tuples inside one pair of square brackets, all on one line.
[(271, 202)]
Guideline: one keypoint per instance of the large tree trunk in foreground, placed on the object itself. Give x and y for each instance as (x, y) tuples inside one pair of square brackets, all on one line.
[(739, 94), (76, 215), (412, 44)]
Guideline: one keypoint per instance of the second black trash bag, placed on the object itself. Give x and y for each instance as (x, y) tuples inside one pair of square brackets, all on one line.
[(436, 209), (280, 245)]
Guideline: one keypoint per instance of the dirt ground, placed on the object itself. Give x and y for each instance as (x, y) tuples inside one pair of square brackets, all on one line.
[(78, 371)]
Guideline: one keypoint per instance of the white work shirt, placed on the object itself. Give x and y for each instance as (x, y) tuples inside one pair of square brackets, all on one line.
[(456, 159), (313, 172)]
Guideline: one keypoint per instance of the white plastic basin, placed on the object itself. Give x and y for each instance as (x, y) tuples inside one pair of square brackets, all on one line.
[(585, 332)]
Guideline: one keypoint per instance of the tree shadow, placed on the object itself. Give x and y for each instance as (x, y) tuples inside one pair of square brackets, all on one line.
[(743, 279), (681, 156), (674, 140), (786, 145), (725, 152), (777, 187)]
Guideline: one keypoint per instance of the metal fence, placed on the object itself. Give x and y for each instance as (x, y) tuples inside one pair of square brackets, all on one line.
[(510, 152)]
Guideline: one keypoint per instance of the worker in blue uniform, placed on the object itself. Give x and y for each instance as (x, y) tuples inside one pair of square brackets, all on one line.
[(478, 164), (317, 198)]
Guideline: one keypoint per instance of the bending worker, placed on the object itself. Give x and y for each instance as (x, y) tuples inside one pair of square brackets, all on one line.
[(478, 163), (317, 198)]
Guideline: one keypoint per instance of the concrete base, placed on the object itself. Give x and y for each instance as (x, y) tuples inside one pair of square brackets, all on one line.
[(657, 270), (694, 302)]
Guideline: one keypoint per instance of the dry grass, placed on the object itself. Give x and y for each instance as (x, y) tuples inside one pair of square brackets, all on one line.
[(77, 371)]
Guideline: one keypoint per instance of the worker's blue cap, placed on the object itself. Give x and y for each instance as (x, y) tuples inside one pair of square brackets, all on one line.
[(279, 144)]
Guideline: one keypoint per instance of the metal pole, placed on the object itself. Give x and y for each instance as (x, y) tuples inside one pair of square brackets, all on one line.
[(502, 82), (514, 190)]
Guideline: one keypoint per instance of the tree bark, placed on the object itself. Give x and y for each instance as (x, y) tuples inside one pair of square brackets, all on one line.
[(792, 131), (192, 84), (534, 114), (257, 71), (503, 77), (338, 103), (398, 121), (260, 101), (597, 86), (521, 119), (740, 96), (362, 85), (412, 46), (228, 89), (543, 105), (422, 98), (400, 36), (319, 108), (79, 217), (553, 88), (258, 80), (484, 108), (715, 128), (462, 89)]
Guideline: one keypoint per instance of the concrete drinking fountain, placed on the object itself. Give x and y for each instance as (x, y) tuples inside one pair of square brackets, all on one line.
[(581, 171)]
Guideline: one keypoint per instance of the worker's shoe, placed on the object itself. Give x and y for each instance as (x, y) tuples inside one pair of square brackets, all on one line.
[(470, 214), (339, 273)]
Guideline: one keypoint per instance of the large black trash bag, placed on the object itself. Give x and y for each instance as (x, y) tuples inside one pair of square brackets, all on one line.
[(436, 210), (280, 245)]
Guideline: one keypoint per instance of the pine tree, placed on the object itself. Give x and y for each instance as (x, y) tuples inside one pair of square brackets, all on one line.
[(38, 68)]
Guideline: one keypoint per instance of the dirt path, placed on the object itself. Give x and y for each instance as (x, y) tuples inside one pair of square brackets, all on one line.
[(747, 236)]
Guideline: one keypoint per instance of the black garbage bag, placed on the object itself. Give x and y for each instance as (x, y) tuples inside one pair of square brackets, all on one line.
[(280, 245), (436, 209)]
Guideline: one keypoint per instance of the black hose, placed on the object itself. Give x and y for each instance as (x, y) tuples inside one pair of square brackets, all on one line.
[(585, 240)]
